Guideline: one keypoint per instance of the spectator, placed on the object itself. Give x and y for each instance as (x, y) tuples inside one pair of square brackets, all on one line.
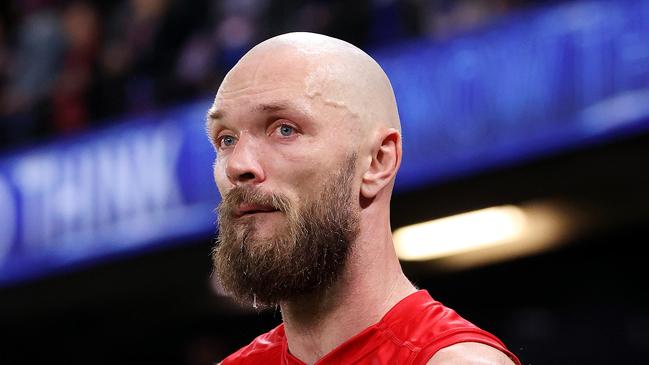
[(128, 60), (65, 64), (32, 72), (70, 99)]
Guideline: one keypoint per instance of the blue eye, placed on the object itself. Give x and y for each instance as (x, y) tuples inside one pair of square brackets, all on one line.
[(286, 130), (228, 141)]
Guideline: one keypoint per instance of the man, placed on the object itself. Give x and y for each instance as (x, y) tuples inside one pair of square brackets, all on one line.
[(308, 144)]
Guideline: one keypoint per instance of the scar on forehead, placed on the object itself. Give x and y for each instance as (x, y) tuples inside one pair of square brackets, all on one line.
[(314, 85)]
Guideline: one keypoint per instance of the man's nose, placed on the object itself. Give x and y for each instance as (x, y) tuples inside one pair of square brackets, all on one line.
[(243, 165)]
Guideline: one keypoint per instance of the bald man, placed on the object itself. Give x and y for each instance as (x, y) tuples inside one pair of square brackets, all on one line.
[(308, 144)]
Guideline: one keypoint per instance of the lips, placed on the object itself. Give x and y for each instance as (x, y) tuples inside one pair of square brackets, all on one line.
[(249, 209)]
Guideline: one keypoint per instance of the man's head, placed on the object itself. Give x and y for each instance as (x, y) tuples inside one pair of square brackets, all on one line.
[(308, 143)]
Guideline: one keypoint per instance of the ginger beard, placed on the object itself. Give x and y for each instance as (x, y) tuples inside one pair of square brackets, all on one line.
[(304, 254)]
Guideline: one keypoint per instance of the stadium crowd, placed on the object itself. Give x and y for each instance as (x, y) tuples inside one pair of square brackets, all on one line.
[(68, 66)]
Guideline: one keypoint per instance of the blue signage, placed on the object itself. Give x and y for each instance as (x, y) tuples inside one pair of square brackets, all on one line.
[(541, 82), (141, 183)]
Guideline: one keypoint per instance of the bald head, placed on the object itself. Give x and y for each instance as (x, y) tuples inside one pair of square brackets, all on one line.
[(329, 71), (330, 99)]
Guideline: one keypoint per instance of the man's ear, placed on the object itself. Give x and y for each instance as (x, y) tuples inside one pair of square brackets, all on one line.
[(386, 158)]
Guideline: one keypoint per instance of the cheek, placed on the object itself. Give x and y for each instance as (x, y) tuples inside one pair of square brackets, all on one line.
[(220, 177), (310, 178), (292, 172)]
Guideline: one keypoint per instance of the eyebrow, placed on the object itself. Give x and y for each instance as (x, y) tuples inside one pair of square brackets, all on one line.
[(215, 114), (212, 116), (272, 107)]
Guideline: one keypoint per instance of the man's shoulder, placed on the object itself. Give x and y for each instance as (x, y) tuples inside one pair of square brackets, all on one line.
[(470, 353), (422, 320), (265, 348), (445, 337)]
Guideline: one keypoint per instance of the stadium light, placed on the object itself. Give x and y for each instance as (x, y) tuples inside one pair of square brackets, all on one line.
[(482, 236)]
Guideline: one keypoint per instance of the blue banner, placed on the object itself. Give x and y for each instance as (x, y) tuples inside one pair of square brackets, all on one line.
[(541, 82), (142, 183)]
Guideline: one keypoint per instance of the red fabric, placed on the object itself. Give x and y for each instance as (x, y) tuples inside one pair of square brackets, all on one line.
[(410, 333)]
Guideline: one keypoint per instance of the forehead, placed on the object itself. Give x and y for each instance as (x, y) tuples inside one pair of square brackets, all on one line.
[(276, 81), (312, 86), (233, 108), (265, 70), (257, 81)]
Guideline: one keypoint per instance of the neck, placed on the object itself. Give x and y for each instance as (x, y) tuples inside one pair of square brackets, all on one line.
[(371, 284)]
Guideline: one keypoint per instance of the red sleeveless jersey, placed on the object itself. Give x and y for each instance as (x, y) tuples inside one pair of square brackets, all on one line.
[(410, 333)]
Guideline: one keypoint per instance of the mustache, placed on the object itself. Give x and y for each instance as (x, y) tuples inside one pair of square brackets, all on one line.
[(249, 195)]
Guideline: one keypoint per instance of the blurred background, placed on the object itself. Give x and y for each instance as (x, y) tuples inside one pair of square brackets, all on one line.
[(521, 202)]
